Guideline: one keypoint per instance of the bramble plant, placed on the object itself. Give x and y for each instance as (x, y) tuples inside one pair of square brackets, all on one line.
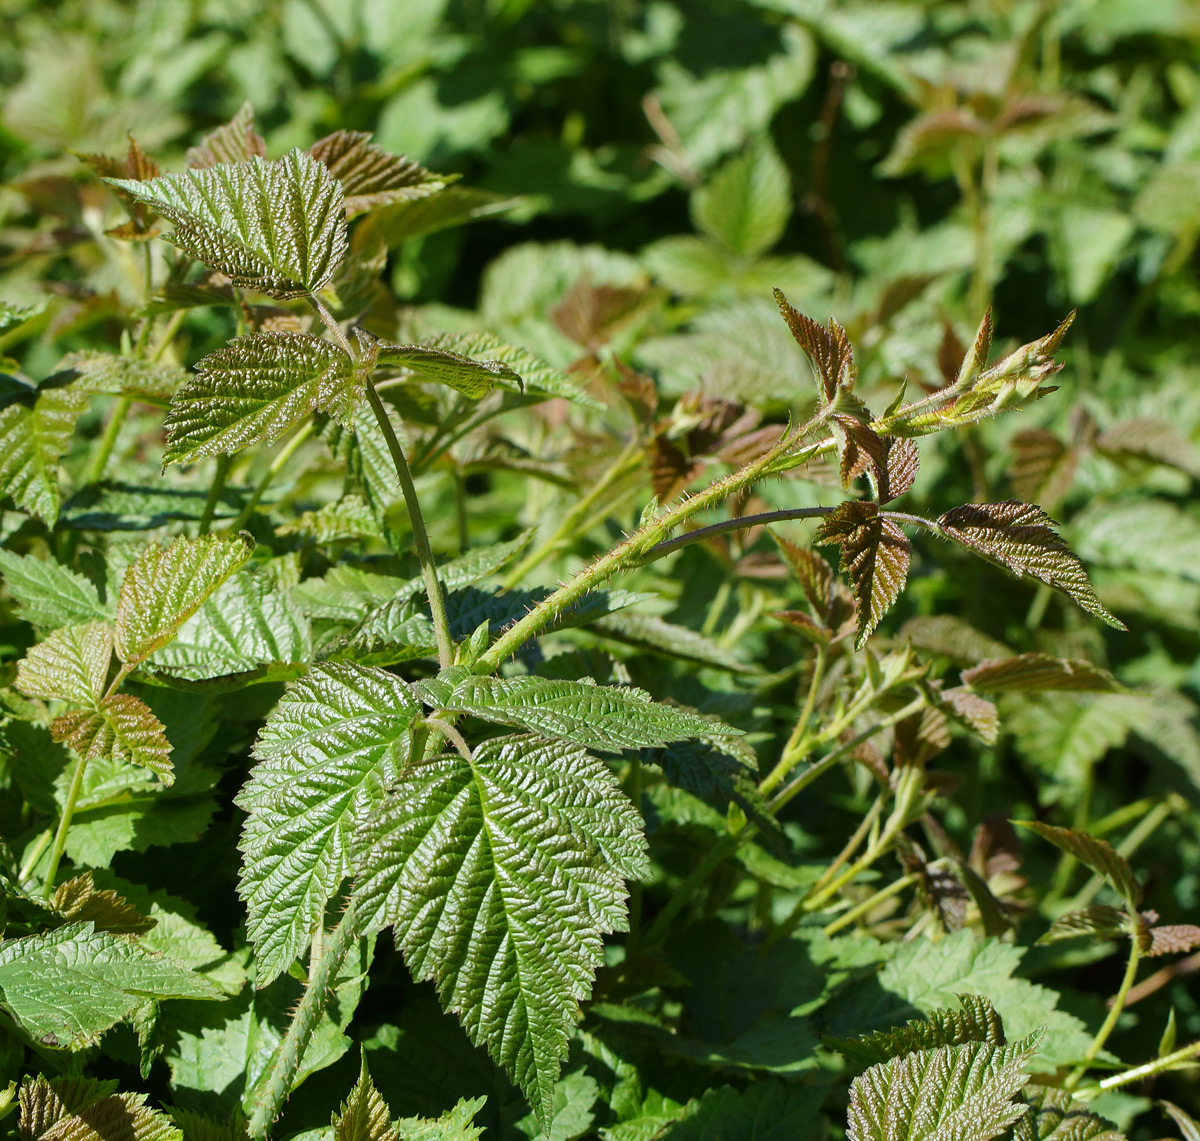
[(312, 668)]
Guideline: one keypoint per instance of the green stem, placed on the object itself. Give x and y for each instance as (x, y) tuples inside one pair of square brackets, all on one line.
[(1106, 1028), (60, 836), (168, 334), (633, 551), (437, 601), (108, 441), (717, 607), (798, 746), (1145, 1070), (34, 854), (285, 1063), (289, 450), (214, 495), (869, 904), (660, 550)]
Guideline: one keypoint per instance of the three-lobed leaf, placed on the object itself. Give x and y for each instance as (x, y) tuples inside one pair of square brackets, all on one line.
[(500, 877), (278, 227)]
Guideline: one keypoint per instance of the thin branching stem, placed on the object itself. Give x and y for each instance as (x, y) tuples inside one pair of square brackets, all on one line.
[(741, 523), (286, 453), (60, 835), (1114, 1013), (868, 905), (99, 458), (1140, 1073), (215, 490)]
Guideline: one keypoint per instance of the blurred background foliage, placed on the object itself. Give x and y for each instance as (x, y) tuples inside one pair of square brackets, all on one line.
[(636, 178)]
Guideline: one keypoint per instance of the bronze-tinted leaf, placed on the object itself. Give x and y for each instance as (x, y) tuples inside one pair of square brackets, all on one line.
[(827, 347), (121, 728), (80, 900), (371, 177), (236, 141), (1042, 467), (875, 554), (1173, 939), (813, 572), (1099, 855), (1097, 921), (900, 469), (975, 712), (1021, 538), (1039, 673)]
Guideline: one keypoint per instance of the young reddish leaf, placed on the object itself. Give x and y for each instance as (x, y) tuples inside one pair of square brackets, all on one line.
[(122, 728), (236, 141), (137, 166), (371, 177), (1042, 467), (1099, 855), (78, 900), (1173, 939), (804, 625), (1021, 538), (975, 712), (70, 665), (1040, 672), (900, 471), (1098, 921), (875, 554), (813, 572), (827, 348)]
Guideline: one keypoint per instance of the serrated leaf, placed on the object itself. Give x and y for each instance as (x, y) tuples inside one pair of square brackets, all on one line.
[(875, 555), (44, 1101), (235, 141), (1099, 855), (70, 665), (814, 574), (165, 586), (656, 635), (827, 347), (75, 1109), (1149, 438), (1188, 1126), (1021, 538), (36, 426), (474, 379), (977, 1021), (455, 1124), (257, 388), (1055, 1116), (325, 757), (1040, 672), (594, 716), (764, 1111), (976, 713), (120, 727), (364, 1115), (349, 518), (951, 637), (1173, 939), (371, 177), (67, 987), (500, 878), (1098, 921), (103, 374), (450, 206), (1043, 467), (955, 1093), (900, 470), (278, 227), (79, 900), (745, 205)]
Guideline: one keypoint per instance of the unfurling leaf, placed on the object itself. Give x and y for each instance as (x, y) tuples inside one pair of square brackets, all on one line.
[(828, 348), (122, 728), (1039, 673), (1055, 1116), (364, 1115), (1173, 939), (474, 379), (258, 387), (326, 756), (594, 716), (82, 1109), (235, 141), (500, 877), (977, 1021), (135, 165), (371, 177), (1099, 855), (165, 586), (900, 471), (875, 555), (1098, 921), (277, 227), (1021, 538), (71, 665), (964, 1093), (973, 711), (36, 425)]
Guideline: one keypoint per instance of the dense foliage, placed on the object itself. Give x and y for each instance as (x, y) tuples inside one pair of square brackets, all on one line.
[(539, 600)]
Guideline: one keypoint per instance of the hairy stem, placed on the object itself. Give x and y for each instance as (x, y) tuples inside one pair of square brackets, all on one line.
[(104, 446), (285, 1063), (1107, 1026), (433, 587), (659, 550), (60, 835), (1145, 1070)]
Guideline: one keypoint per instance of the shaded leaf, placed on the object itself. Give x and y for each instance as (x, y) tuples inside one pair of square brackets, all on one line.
[(1098, 921), (474, 379), (104, 374), (1173, 939), (1043, 467), (80, 900), (951, 637), (976, 1021), (452, 206), (745, 205), (1040, 672), (49, 595), (1099, 855)]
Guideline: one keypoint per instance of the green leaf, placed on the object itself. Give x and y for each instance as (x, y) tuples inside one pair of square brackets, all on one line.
[(278, 227), (474, 379), (103, 374), (364, 1115), (1099, 855), (49, 595), (113, 506), (121, 727), (649, 633), (451, 206), (1098, 921), (371, 177), (36, 426), (964, 1093), (257, 388), (765, 1111), (746, 204), (951, 637), (977, 1021), (532, 842), (1055, 1116), (325, 757), (1021, 538), (165, 586), (594, 716), (70, 665), (455, 1124), (349, 518), (249, 630), (875, 555), (79, 900), (1040, 672), (78, 1109), (67, 987)]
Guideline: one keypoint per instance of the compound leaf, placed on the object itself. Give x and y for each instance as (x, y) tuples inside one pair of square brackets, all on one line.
[(70, 665), (65, 988), (875, 555), (595, 716), (1021, 538), (1099, 855), (277, 227), (1040, 672), (500, 878), (954, 1093), (121, 727), (325, 757), (165, 586), (258, 387), (35, 430), (371, 177), (474, 379)]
